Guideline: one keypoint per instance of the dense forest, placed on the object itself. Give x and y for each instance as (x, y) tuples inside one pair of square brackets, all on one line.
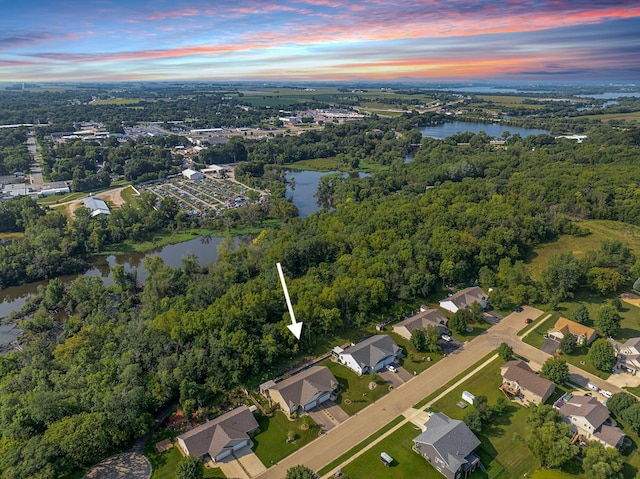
[(99, 362)]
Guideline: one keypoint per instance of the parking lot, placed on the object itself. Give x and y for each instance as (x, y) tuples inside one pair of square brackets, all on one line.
[(197, 197)]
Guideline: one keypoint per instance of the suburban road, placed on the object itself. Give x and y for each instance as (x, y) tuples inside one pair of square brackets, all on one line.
[(354, 430)]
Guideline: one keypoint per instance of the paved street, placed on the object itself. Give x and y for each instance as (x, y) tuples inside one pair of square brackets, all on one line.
[(358, 427)]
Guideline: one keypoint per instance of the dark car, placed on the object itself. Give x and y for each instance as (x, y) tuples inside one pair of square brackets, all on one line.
[(519, 310)]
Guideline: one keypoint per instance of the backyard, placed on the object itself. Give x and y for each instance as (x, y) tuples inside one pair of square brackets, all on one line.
[(271, 442)]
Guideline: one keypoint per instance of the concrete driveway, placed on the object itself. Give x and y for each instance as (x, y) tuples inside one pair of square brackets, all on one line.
[(328, 415), (242, 464), (393, 379), (550, 346)]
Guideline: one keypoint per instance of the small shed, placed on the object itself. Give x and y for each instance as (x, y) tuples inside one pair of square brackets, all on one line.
[(336, 352), (386, 459), (468, 397)]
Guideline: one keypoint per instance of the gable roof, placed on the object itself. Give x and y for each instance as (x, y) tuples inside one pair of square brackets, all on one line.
[(372, 350), (299, 389), (564, 326), (588, 407), (452, 439), (609, 435), (216, 435), (96, 206), (520, 372), (429, 317), (467, 297), (633, 344)]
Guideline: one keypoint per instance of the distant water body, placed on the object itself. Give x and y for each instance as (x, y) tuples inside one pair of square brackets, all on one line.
[(492, 129)]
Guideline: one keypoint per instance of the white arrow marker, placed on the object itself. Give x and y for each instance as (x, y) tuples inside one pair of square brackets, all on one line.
[(295, 328)]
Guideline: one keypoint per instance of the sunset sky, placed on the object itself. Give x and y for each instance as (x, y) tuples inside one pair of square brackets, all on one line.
[(431, 40)]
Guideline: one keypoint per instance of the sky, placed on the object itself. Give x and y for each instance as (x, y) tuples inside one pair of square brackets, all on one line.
[(319, 40)]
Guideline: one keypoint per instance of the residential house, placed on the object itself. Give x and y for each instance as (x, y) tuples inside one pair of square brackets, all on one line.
[(628, 354), (219, 437), (519, 380), (96, 206), (464, 299), (371, 354), (584, 334), (448, 445), (303, 391), (425, 318), (590, 419)]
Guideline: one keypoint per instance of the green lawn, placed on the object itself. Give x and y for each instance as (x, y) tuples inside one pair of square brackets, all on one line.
[(270, 443), (415, 360), (355, 394), (407, 464)]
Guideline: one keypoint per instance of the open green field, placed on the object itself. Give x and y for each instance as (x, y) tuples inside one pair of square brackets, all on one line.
[(600, 230), (632, 117), (270, 443), (117, 101)]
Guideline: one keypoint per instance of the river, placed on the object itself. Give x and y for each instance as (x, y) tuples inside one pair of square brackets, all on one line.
[(492, 129)]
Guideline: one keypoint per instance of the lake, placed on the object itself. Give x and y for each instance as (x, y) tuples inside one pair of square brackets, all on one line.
[(492, 129)]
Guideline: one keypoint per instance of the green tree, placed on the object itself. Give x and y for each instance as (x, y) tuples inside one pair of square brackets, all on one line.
[(505, 351), (300, 472), (602, 462), (619, 402), (458, 322), (601, 355), (631, 416), (431, 336), (556, 370), (481, 404), (473, 420), (548, 437), (419, 340), (190, 468), (608, 320), (581, 314), (568, 343), (562, 275), (604, 280)]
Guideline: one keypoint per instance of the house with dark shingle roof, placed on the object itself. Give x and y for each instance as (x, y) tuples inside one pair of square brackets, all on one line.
[(371, 354), (464, 299), (303, 391), (589, 418), (448, 445), (219, 437), (425, 318), (519, 380)]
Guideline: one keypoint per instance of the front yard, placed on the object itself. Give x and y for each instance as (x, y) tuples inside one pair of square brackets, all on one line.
[(355, 393), (271, 442)]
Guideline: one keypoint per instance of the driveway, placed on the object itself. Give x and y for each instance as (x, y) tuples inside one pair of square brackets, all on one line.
[(392, 378), (492, 317), (449, 347), (550, 346), (242, 464)]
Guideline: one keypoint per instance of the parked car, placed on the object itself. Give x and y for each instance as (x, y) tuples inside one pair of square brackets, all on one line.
[(446, 337), (606, 393), (528, 321), (519, 309), (392, 368), (593, 387)]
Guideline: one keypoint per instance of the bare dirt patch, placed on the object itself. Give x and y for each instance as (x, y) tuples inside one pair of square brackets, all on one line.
[(112, 197), (631, 298), (129, 465)]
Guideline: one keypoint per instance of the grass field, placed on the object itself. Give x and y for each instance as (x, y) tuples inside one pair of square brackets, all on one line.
[(129, 195), (117, 101), (600, 230), (271, 445), (633, 117)]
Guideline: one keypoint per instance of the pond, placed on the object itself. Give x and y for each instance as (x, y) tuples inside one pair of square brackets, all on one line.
[(492, 129), (204, 248), (302, 187)]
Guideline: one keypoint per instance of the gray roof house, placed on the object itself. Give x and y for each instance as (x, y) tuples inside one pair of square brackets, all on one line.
[(464, 299), (448, 445), (373, 353), (422, 320), (217, 438), (302, 391), (628, 354), (96, 206), (588, 417), (519, 380)]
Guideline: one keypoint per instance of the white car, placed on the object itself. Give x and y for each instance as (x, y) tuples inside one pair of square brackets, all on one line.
[(605, 393), (446, 337), (392, 369), (593, 387)]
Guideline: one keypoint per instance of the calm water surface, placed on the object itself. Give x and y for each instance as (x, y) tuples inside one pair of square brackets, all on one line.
[(491, 129)]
